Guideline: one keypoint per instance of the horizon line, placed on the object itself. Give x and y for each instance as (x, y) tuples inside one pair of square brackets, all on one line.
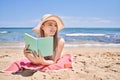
[(65, 27)]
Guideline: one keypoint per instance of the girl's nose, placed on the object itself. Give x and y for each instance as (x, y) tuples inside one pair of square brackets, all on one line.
[(54, 27)]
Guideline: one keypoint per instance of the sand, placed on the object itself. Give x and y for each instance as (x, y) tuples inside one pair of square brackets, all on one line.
[(88, 64)]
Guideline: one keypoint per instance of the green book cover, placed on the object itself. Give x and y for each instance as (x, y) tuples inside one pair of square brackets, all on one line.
[(45, 45)]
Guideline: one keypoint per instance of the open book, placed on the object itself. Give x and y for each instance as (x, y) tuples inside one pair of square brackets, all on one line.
[(45, 45)]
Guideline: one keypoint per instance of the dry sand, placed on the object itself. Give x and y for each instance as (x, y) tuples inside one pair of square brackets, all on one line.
[(88, 64)]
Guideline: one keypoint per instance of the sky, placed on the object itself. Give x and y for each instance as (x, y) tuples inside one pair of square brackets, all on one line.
[(74, 13)]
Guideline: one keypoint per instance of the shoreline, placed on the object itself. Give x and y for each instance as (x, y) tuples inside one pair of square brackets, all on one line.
[(21, 44)]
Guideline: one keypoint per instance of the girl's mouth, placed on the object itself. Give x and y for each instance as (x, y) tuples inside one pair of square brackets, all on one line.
[(52, 31)]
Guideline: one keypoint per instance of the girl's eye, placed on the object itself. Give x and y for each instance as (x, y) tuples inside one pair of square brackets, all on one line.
[(50, 24), (55, 25)]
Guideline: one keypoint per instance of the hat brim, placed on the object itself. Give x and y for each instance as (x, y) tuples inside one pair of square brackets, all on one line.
[(59, 22)]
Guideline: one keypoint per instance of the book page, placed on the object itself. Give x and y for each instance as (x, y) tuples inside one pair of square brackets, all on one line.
[(31, 41), (45, 45)]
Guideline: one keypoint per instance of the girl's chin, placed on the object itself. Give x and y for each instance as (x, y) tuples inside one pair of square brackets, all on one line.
[(52, 34)]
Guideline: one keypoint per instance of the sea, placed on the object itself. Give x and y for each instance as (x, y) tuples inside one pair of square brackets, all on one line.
[(74, 37)]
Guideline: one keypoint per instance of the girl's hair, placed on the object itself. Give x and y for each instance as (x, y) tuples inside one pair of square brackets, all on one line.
[(55, 38)]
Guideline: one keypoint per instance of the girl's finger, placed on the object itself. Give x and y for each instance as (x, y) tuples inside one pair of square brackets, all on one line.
[(26, 47), (34, 53), (28, 51), (39, 54)]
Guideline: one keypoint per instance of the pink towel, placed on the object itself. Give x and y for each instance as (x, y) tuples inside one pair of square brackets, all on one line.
[(64, 62)]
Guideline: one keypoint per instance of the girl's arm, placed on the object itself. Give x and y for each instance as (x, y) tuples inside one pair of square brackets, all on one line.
[(33, 58), (59, 49)]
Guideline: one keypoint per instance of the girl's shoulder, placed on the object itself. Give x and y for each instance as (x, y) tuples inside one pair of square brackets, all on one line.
[(61, 40)]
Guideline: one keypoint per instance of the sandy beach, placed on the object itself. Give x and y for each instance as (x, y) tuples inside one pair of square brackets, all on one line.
[(88, 64)]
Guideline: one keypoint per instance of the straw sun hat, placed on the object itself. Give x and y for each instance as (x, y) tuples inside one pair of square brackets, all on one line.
[(47, 17)]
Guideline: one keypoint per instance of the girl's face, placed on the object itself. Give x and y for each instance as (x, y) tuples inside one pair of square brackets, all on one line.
[(49, 28)]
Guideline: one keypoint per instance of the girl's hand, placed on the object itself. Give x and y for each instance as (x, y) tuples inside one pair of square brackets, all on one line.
[(26, 51), (38, 58), (41, 59)]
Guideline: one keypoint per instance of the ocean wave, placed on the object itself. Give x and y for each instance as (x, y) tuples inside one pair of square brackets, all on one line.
[(116, 36), (87, 34), (4, 32), (93, 45)]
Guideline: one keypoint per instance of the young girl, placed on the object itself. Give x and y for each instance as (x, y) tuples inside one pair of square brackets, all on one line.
[(48, 26)]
